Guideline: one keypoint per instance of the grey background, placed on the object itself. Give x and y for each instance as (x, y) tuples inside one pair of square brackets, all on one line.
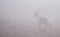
[(16, 17)]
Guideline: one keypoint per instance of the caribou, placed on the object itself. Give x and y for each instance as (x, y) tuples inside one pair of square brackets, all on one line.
[(41, 20)]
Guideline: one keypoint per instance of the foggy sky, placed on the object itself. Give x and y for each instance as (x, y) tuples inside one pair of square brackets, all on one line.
[(20, 9), (17, 10)]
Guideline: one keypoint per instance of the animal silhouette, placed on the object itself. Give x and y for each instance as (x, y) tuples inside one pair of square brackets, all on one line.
[(41, 20)]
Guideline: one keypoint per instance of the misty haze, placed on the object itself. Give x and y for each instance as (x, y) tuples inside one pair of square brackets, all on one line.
[(30, 18)]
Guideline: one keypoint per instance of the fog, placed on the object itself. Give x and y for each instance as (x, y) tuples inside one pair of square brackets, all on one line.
[(16, 18)]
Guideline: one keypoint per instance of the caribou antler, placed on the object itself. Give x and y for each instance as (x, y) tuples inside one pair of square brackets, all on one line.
[(37, 12)]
